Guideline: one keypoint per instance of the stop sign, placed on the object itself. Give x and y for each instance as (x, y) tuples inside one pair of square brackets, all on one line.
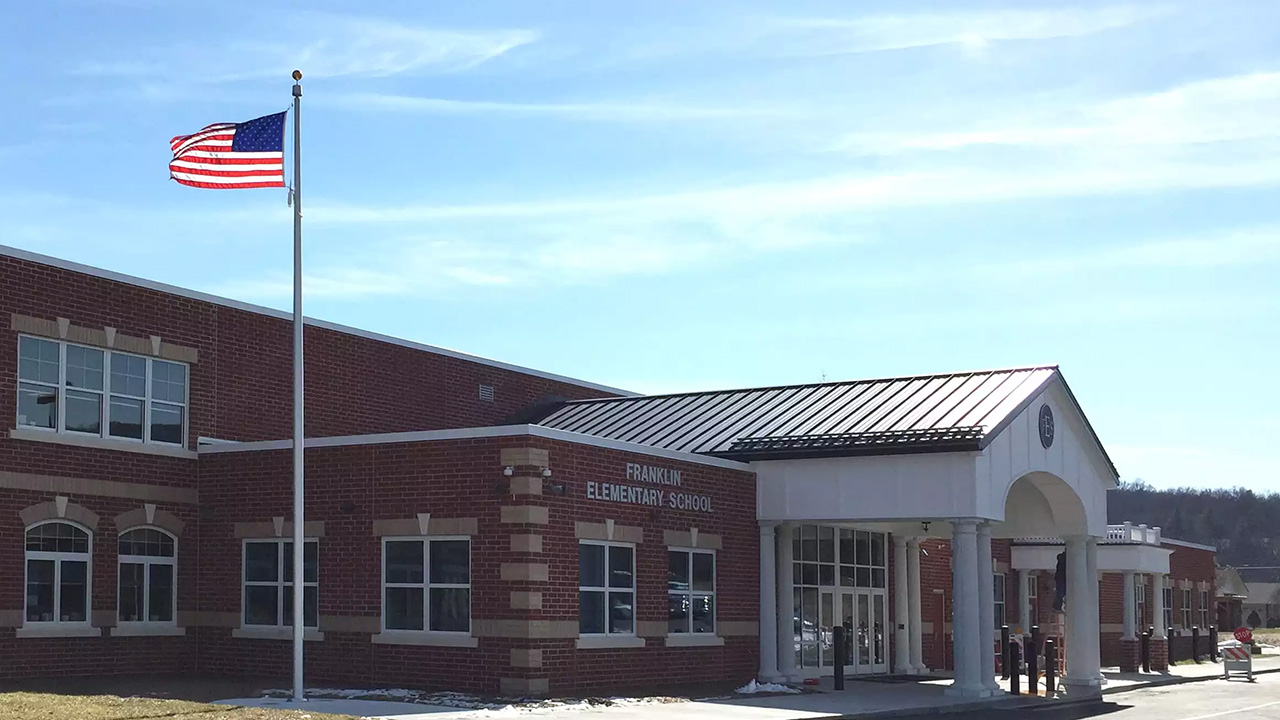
[(1244, 634)]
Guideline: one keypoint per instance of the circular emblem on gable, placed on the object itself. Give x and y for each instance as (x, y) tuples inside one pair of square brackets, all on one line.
[(1046, 426)]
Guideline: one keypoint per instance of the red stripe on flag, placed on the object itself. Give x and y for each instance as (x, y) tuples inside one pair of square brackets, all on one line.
[(226, 173)]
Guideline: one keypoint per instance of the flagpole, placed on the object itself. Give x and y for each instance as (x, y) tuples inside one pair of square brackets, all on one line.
[(299, 538)]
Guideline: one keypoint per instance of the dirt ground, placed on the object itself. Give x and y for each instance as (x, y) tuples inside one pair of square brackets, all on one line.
[(51, 706)]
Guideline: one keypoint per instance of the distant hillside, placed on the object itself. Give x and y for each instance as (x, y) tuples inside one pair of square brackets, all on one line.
[(1244, 525)]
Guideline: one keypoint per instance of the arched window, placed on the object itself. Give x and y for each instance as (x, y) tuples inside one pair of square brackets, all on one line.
[(57, 573), (147, 573)]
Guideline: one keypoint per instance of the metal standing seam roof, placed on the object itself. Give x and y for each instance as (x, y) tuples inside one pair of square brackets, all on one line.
[(926, 413)]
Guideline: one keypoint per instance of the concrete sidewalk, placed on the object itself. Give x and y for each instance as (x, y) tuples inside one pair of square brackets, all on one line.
[(859, 699)]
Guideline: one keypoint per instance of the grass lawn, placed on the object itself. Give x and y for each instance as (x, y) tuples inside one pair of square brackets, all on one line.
[(49, 706)]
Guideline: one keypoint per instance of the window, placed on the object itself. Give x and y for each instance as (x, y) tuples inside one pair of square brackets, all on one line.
[(607, 589), (691, 591), (1167, 592), (88, 391), (426, 584), (1033, 600), (268, 583), (1186, 608), (57, 573), (147, 572), (998, 583), (1204, 609)]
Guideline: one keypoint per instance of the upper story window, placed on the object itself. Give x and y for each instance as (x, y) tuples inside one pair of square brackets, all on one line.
[(89, 391), (147, 564), (57, 573)]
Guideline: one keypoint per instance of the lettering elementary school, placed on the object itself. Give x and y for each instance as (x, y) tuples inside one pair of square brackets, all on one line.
[(477, 526)]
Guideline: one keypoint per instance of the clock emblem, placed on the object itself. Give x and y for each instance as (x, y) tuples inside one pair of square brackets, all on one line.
[(1046, 426)]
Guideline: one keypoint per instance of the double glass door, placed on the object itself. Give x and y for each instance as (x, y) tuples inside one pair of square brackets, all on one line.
[(839, 577)]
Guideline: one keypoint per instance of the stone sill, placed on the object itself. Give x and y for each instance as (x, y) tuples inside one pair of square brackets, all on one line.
[(54, 630), (694, 640), (608, 642), (147, 630), (101, 443), (272, 632), (414, 637)]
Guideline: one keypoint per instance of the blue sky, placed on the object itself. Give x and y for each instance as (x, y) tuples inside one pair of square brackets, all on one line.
[(671, 196)]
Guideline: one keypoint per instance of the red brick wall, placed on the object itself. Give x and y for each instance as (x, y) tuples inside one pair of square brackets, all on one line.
[(464, 479), (241, 388)]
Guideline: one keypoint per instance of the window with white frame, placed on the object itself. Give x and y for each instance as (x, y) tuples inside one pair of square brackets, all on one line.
[(426, 584), (1167, 591), (1186, 608), (268, 583), (691, 591), (68, 388), (148, 569), (1204, 609), (997, 581), (1033, 599), (57, 556), (607, 588)]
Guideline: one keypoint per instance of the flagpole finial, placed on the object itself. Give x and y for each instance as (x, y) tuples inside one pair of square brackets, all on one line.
[(297, 75)]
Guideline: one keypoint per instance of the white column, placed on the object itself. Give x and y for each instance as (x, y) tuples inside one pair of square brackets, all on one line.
[(966, 623), (1157, 605), (768, 605), (785, 605), (1081, 623), (1095, 612), (901, 609), (1130, 615), (915, 626), (1026, 618), (987, 608)]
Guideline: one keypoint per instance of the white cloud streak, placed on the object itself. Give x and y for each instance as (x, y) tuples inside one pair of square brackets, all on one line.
[(324, 46), (1241, 107), (602, 111)]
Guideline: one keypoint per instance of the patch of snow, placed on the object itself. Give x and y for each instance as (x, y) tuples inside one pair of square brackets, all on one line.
[(754, 687)]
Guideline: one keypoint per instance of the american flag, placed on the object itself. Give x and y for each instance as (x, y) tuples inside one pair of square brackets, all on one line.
[(231, 155)]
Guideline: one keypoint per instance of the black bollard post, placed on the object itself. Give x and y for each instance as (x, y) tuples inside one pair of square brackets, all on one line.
[(1213, 643), (1004, 656), (1145, 642), (1195, 644), (838, 638), (1050, 665), (1012, 650), (1033, 658)]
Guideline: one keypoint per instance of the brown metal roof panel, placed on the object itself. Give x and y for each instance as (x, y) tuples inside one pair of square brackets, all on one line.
[(596, 419), (893, 404), (709, 438), (727, 432), (638, 428), (718, 411), (1010, 404), (681, 418), (787, 401), (635, 415), (990, 383), (1015, 384), (871, 396), (935, 417), (782, 423), (854, 404), (899, 417), (930, 402), (820, 413)]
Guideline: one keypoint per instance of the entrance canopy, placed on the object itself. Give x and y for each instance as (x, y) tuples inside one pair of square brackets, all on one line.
[(1011, 446)]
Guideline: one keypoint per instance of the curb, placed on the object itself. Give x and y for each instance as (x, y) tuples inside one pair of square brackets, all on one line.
[(1178, 681)]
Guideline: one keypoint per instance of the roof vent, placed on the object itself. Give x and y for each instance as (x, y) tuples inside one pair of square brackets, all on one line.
[(486, 393)]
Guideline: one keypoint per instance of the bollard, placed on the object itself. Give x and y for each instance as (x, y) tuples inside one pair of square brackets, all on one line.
[(838, 638), (1012, 650), (1033, 656), (1145, 641), (1195, 644), (1004, 657), (1050, 665), (1213, 643)]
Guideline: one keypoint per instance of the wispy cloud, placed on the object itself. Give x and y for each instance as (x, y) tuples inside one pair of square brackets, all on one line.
[(816, 36), (973, 29), (324, 46), (1241, 107), (610, 111)]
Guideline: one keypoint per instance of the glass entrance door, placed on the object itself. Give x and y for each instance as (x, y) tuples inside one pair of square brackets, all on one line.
[(839, 578)]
